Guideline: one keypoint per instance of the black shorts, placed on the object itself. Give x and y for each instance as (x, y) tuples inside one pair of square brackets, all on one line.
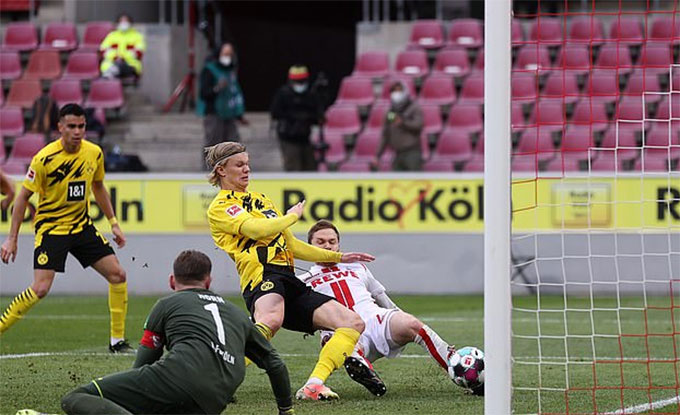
[(300, 300), (141, 392), (87, 246)]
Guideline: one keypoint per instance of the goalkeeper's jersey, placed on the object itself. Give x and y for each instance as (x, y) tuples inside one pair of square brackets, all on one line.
[(352, 285), (226, 214)]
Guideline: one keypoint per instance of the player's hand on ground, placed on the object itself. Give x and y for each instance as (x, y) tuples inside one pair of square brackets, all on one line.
[(349, 257), (118, 236), (298, 208), (8, 250)]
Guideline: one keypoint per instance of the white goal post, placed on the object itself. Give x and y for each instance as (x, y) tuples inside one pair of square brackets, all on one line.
[(497, 297)]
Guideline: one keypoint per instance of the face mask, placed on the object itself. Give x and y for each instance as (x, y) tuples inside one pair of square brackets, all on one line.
[(225, 60), (300, 88), (124, 25), (397, 97)]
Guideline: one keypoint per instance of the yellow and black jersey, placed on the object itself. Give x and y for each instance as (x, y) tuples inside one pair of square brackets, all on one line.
[(270, 240), (63, 182)]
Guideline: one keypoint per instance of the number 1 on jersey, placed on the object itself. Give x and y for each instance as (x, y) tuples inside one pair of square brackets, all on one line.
[(343, 294), (212, 307)]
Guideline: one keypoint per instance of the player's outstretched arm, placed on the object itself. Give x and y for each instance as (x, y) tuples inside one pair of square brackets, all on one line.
[(261, 352), (8, 251), (349, 257)]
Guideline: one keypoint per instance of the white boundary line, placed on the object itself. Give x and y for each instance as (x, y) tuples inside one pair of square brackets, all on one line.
[(645, 406)]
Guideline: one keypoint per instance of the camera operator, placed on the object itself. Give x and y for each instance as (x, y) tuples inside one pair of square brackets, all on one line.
[(295, 108)]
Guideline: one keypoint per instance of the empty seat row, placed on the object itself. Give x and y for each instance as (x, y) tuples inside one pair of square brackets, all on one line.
[(46, 64), (104, 93), (23, 150), (23, 36)]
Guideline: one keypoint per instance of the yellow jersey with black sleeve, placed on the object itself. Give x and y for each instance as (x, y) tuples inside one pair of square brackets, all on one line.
[(254, 233), (63, 182)]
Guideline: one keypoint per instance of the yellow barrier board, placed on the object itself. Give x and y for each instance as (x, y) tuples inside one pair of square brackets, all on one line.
[(163, 206)]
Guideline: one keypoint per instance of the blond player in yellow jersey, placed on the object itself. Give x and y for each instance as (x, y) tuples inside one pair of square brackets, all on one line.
[(64, 174), (252, 231)]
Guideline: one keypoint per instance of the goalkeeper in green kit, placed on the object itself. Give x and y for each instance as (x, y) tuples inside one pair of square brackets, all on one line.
[(207, 339)]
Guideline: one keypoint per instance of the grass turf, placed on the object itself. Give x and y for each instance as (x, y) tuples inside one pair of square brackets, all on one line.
[(73, 332)]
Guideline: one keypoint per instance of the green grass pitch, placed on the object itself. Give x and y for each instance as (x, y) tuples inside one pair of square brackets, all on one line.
[(68, 335)]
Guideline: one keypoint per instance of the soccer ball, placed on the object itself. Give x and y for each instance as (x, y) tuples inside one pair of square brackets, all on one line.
[(466, 369)]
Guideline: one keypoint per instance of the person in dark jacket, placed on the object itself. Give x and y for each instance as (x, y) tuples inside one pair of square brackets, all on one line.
[(220, 99), (295, 109)]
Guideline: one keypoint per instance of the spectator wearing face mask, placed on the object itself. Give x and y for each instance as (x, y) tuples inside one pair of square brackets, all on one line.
[(401, 131), (122, 50), (295, 109), (220, 99)]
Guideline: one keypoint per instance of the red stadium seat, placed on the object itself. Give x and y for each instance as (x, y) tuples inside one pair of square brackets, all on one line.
[(617, 148), (627, 30), (586, 29), (2, 97), (656, 58), (524, 87), (376, 118), (666, 111), (405, 80), (533, 57), (20, 36), (479, 62), (432, 119), (640, 82), (516, 32), (630, 108), (473, 88), (15, 167), (11, 122), (336, 147), (468, 33), (665, 28), (23, 93), (26, 146), (105, 93), (59, 36), (576, 145), (427, 34), (535, 146), (2, 150), (575, 59), (517, 116), (372, 64), (603, 85), (366, 146), (615, 57), (43, 64), (66, 91), (82, 65), (95, 32), (659, 147), (590, 113), (412, 63), (563, 86), (438, 90), (356, 91), (342, 120), (451, 62), (466, 117), (453, 146), (546, 31), (10, 65), (549, 115), (437, 165)]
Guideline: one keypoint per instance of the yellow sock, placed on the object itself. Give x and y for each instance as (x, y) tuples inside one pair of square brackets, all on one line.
[(17, 308), (266, 332), (118, 303), (334, 353)]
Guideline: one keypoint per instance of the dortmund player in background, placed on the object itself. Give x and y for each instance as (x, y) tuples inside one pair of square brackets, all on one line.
[(206, 337), (251, 230), (64, 174)]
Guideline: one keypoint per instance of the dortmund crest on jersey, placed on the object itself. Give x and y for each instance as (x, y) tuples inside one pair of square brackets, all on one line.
[(266, 286), (43, 258)]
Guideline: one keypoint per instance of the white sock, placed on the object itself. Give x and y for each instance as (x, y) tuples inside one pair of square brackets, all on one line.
[(115, 340), (314, 381), (429, 340)]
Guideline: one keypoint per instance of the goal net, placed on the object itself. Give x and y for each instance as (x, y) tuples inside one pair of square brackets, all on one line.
[(595, 242)]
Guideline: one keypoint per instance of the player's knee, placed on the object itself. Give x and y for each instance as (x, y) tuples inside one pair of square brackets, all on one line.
[(414, 325), (356, 323), (271, 320), (118, 276)]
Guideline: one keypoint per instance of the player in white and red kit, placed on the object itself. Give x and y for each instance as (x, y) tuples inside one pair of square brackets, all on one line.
[(388, 328)]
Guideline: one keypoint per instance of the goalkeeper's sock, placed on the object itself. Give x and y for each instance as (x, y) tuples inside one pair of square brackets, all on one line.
[(17, 308), (118, 304), (429, 340), (334, 353), (78, 402), (266, 332)]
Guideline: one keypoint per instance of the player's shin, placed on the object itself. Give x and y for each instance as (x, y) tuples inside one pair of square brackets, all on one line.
[(266, 332), (118, 304), (83, 403), (429, 340), (334, 353), (17, 308)]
